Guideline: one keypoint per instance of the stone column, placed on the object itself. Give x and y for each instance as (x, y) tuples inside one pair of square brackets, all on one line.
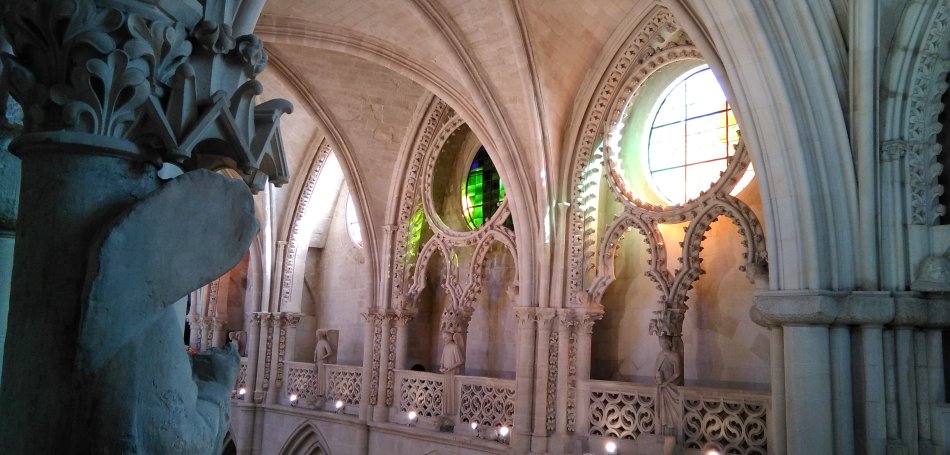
[(76, 190), (936, 383), (539, 440), (369, 349), (778, 443), (6, 267), (381, 411), (585, 330), (217, 333), (402, 338), (195, 328), (808, 390), (105, 107), (906, 388), (11, 116), (842, 401), (253, 357), (924, 398), (872, 432), (566, 323), (524, 378)]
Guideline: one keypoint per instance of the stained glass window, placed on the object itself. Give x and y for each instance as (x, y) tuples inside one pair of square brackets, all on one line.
[(691, 137), (483, 192)]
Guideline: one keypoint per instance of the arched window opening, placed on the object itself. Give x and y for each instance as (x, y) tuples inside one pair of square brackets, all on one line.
[(353, 223), (692, 135), (482, 192)]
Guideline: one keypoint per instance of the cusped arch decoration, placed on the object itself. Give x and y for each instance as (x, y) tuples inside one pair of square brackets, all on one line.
[(438, 125), (305, 440), (499, 235), (916, 75), (656, 41), (451, 285)]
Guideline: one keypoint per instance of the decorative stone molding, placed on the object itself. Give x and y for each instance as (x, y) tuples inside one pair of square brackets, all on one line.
[(437, 113), (658, 42), (927, 86), (923, 172), (127, 81), (212, 307), (551, 395), (269, 320), (854, 308), (646, 49), (295, 237), (373, 318), (391, 362), (409, 277)]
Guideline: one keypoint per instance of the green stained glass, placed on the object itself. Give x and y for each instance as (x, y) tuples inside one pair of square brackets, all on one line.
[(483, 192)]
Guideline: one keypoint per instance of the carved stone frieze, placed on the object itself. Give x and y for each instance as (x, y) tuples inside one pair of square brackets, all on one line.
[(927, 86)]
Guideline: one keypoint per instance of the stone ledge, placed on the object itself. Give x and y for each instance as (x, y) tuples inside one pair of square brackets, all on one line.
[(849, 308)]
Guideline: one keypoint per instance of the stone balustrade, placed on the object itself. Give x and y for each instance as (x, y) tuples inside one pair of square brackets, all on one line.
[(729, 421)]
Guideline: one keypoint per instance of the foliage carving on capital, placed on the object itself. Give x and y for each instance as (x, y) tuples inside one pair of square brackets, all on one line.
[(455, 320), (668, 322), (545, 317), (292, 319), (127, 81), (590, 318), (214, 36), (526, 317)]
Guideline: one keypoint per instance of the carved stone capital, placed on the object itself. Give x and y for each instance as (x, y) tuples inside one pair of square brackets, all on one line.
[(668, 322), (371, 316), (546, 317), (455, 320), (527, 316), (403, 317), (291, 319), (589, 319), (146, 83), (893, 150), (568, 318)]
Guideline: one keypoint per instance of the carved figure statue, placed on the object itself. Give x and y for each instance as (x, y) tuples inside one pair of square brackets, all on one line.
[(668, 401), (452, 361), (452, 356), (239, 340), (322, 354)]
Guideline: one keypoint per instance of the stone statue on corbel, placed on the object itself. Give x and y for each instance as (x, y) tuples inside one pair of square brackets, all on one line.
[(933, 274), (454, 327), (324, 353), (668, 373)]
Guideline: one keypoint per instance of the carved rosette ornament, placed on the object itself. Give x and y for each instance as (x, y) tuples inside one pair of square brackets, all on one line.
[(150, 82)]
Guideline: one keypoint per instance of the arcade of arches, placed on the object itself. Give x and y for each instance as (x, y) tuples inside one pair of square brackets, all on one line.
[(560, 227)]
